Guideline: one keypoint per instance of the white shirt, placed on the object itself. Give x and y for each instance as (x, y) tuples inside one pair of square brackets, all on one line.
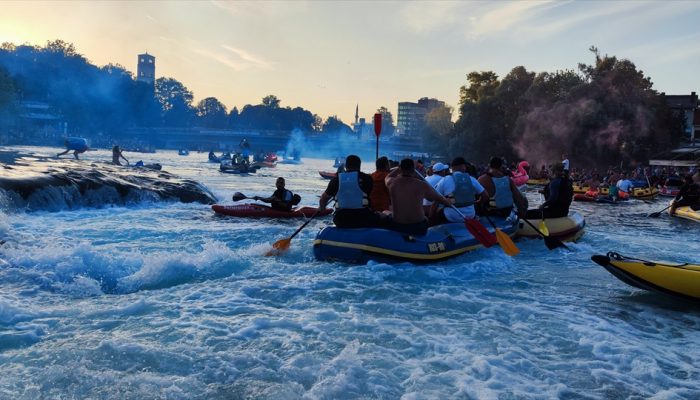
[(432, 180), (446, 187), (566, 164), (625, 185)]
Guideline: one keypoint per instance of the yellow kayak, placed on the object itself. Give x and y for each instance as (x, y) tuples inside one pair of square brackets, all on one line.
[(687, 213), (538, 182), (566, 229), (679, 280)]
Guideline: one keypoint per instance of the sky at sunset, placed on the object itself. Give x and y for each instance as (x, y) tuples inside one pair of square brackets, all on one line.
[(329, 56)]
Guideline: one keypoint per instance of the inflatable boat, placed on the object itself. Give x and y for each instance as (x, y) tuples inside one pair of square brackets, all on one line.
[(642, 193), (566, 229), (327, 175), (605, 199), (229, 168), (261, 211), (678, 280), (357, 246), (687, 213)]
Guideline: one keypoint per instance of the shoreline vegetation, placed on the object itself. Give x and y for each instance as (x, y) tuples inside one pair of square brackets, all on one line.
[(600, 114)]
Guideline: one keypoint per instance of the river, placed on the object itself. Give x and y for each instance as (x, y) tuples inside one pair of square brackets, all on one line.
[(167, 300)]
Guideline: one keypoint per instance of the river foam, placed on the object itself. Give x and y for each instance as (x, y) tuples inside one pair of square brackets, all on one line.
[(167, 300)]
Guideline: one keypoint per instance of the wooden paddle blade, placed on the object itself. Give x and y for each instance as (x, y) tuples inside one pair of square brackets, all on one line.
[(543, 228), (553, 243), (507, 243), (279, 247), (480, 232)]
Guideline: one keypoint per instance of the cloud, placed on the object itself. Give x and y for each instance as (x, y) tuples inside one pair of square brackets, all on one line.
[(234, 58), (248, 57), (504, 17), (536, 19), (424, 17), (260, 8), (671, 50)]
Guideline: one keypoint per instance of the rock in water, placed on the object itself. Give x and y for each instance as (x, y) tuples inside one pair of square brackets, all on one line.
[(46, 184)]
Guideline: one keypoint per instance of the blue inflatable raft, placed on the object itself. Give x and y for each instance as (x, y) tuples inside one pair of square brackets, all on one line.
[(358, 246)]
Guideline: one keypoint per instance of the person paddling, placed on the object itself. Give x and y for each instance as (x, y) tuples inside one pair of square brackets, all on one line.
[(558, 194), (502, 190), (117, 154), (379, 197), (351, 190), (464, 189), (408, 189), (689, 195), (282, 199)]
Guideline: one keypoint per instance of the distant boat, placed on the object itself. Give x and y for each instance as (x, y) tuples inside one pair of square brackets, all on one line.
[(291, 161), (183, 152)]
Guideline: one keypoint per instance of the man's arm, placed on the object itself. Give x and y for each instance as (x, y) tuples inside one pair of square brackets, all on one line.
[(553, 195), (519, 200), (323, 201), (331, 191), (432, 195)]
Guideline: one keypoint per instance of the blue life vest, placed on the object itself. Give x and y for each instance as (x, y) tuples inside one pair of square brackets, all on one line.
[(288, 195), (503, 196), (464, 194), (350, 196)]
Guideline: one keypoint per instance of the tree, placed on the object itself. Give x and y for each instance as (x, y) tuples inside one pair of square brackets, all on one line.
[(388, 127), (481, 85), (335, 125), (7, 88), (61, 47), (175, 100), (271, 101), (609, 114), (211, 113), (232, 120)]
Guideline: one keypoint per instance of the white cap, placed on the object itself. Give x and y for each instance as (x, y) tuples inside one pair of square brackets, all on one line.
[(440, 167)]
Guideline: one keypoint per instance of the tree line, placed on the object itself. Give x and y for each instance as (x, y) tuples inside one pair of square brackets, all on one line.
[(603, 114), (108, 99)]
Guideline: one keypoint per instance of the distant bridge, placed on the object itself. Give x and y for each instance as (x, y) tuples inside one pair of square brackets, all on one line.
[(264, 140)]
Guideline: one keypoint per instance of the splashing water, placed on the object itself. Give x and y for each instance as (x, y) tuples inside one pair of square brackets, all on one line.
[(168, 300)]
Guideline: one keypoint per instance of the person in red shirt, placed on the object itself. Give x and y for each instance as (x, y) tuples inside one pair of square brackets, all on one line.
[(379, 199)]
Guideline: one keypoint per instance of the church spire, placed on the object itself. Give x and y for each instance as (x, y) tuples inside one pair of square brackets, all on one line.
[(357, 108)]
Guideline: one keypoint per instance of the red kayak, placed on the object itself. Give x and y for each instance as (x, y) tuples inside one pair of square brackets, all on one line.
[(261, 211), (327, 175)]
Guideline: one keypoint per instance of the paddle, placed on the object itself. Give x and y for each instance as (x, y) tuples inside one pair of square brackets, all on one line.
[(504, 240), (551, 242), (543, 227), (658, 213), (238, 196), (283, 244), (478, 230)]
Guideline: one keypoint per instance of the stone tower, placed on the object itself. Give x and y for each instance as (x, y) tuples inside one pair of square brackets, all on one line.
[(146, 71)]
